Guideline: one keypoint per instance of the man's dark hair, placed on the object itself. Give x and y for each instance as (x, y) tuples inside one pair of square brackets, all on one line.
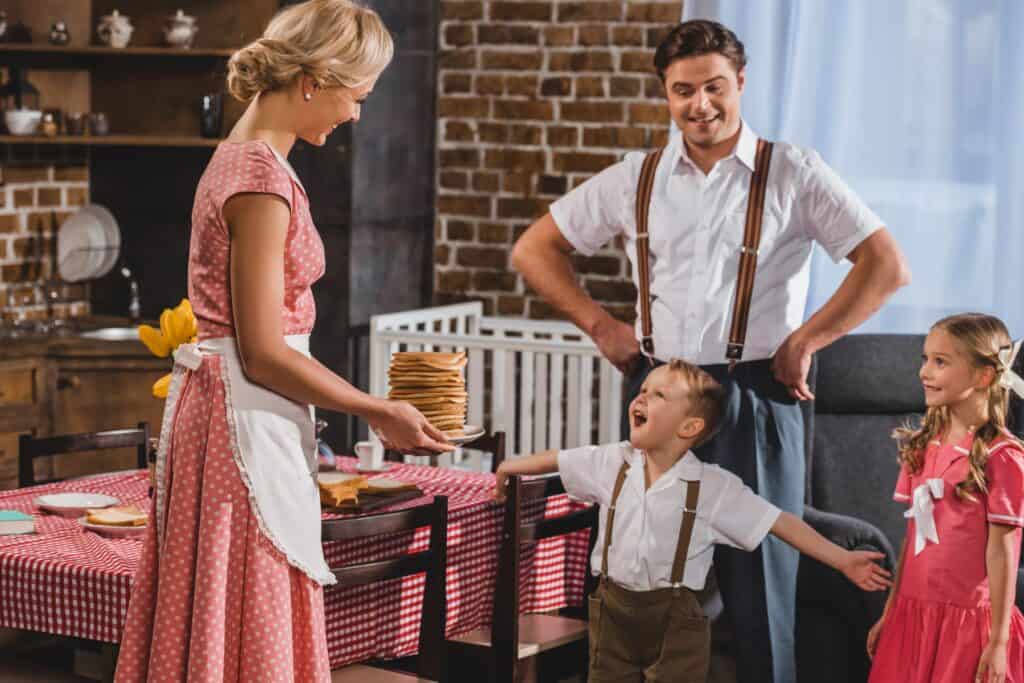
[(699, 37)]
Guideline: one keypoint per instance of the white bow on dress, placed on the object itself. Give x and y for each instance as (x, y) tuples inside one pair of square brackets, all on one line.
[(922, 510)]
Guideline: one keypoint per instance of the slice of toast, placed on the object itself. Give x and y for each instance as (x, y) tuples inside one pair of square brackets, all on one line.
[(334, 493), (122, 515)]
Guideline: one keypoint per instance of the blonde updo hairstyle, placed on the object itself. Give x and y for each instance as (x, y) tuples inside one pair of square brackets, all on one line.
[(334, 42)]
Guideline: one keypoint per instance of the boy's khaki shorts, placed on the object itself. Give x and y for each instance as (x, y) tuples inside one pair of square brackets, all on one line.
[(649, 636)]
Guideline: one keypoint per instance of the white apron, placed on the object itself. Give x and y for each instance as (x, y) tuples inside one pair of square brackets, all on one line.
[(273, 441)]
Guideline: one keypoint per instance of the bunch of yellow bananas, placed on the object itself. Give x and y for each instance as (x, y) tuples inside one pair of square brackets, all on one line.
[(177, 327)]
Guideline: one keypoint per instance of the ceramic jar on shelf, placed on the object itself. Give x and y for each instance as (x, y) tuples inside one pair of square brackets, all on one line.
[(180, 30), (115, 29)]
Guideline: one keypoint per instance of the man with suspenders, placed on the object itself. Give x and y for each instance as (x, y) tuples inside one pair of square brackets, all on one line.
[(719, 226)]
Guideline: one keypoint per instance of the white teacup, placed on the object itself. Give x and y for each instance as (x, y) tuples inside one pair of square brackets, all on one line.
[(370, 454)]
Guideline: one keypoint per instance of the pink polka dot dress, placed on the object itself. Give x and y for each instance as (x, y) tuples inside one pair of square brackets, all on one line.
[(214, 599), (941, 618)]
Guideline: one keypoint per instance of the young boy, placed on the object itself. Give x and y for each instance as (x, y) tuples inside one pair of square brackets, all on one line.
[(662, 512)]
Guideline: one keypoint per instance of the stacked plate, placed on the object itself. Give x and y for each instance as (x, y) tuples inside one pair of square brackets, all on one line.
[(88, 244), (433, 382)]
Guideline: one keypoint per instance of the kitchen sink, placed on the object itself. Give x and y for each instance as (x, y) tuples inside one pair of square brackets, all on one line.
[(112, 334)]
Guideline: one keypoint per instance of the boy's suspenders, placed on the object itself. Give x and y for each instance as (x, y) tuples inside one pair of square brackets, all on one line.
[(748, 252), (685, 528)]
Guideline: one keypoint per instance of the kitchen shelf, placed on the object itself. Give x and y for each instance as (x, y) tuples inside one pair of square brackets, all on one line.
[(112, 140), (24, 49)]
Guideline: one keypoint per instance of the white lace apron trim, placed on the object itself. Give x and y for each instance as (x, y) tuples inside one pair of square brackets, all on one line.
[(273, 443)]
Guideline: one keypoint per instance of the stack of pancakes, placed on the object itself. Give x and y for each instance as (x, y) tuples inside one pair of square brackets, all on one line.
[(433, 382)]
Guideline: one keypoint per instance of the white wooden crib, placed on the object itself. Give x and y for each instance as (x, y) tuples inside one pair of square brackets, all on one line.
[(544, 383)]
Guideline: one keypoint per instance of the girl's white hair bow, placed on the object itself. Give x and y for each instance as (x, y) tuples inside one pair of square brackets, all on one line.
[(1010, 379)]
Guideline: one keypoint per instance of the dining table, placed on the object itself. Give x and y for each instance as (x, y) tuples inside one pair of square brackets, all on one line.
[(67, 580)]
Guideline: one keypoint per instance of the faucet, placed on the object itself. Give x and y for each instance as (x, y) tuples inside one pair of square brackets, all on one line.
[(134, 305)]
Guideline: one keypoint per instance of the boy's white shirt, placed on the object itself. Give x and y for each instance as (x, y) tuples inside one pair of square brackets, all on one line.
[(647, 520)]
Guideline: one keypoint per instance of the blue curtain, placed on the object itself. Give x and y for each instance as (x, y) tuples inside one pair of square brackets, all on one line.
[(919, 106)]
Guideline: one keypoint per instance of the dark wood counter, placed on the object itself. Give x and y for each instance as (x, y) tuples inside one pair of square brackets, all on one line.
[(65, 384)]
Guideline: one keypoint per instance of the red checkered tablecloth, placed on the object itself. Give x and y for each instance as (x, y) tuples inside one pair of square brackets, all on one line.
[(73, 582)]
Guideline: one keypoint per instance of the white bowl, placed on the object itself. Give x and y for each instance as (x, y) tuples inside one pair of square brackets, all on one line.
[(22, 121)]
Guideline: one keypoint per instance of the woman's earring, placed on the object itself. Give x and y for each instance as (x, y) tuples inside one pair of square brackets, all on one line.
[(307, 96)]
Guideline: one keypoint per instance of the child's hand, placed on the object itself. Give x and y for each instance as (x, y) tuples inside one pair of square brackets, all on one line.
[(860, 568), (500, 481), (992, 665), (873, 635)]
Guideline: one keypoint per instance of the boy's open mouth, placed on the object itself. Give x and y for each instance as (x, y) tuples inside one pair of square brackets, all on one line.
[(639, 419)]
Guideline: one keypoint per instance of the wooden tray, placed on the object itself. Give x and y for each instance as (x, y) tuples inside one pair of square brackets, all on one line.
[(368, 502)]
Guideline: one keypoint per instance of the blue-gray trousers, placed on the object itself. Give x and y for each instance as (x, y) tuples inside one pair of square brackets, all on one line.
[(761, 439)]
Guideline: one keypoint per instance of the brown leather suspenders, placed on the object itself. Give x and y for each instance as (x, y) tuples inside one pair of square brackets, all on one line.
[(685, 527), (643, 205), (748, 252)]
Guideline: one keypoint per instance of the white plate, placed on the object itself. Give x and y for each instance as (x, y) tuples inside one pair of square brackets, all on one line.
[(329, 478), (76, 239), (88, 244), (112, 237), (375, 470), (73, 504), (385, 483), (472, 432), (113, 531)]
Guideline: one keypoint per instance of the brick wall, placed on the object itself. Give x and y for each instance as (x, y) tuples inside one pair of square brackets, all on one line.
[(535, 97), (34, 201)]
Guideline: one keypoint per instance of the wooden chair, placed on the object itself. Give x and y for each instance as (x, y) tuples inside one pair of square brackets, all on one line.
[(512, 637), (493, 443), (31, 447), (432, 657)]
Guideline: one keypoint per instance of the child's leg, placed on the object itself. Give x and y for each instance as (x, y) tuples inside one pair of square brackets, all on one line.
[(686, 648)]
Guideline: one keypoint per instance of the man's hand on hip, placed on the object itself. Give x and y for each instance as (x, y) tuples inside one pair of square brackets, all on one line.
[(616, 341), (790, 366)]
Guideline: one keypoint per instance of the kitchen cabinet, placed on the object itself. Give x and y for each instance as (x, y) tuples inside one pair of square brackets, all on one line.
[(63, 386)]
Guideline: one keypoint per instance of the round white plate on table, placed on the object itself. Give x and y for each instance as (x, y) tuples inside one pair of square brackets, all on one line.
[(112, 530), (73, 504), (470, 433), (328, 478)]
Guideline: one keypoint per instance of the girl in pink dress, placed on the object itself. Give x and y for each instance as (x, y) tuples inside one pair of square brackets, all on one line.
[(951, 616), (229, 584)]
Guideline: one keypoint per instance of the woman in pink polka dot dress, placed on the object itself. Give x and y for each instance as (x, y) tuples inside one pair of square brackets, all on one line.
[(229, 585)]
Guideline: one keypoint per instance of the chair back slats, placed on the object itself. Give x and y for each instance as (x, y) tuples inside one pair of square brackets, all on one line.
[(433, 656), (505, 618), (558, 526), (542, 487), (492, 443), (433, 561), (382, 570), (30, 448), (515, 533), (347, 528)]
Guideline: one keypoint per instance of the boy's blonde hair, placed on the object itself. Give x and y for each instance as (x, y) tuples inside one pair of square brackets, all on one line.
[(334, 42), (706, 396)]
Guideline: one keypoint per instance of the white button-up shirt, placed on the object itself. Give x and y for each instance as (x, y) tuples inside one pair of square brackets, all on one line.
[(647, 521), (696, 226)]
